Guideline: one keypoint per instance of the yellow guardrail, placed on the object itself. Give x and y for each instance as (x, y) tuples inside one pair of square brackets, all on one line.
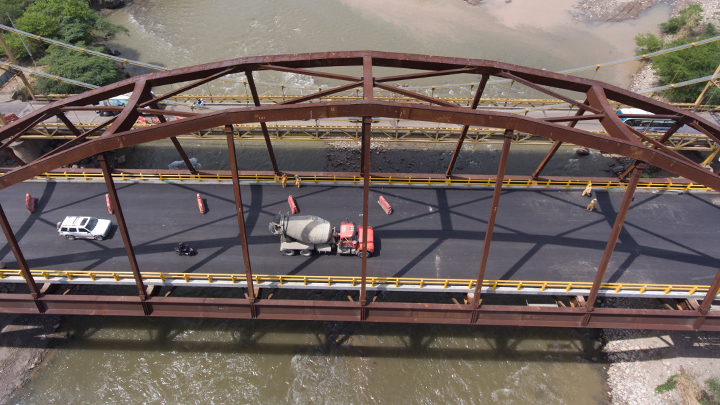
[(354, 281), (358, 180), (679, 141)]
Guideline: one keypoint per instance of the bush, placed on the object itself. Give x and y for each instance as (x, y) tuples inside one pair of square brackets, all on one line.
[(687, 64), (77, 66)]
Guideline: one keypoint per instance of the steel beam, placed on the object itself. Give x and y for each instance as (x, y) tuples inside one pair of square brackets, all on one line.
[(422, 313), (551, 93), (676, 126), (366, 131), (187, 87), (239, 211), (309, 72), (78, 139), (707, 302), (368, 79), (460, 116), (463, 134), (416, 95), (323, 93), (556, 146), (614, 235), (175, 141), (493, 214), (19, 257), (14, 157), (424, 75), (266, 134), (115, 201), (69, 124)]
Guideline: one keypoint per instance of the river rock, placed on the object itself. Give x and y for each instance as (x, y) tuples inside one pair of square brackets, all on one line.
[(582, 151)]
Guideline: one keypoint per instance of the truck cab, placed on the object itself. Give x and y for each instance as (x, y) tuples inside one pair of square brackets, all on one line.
[(351, 240)]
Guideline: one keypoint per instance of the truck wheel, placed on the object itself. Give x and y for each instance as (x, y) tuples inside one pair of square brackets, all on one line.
[(70, 237), (288, 252), (306, 253), (360, 254)]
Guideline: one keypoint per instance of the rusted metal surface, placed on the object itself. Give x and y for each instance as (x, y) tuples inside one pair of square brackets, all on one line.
[(19, 257), (239, 210), (623, 140), (122, 228), (367, 122), (612, 240), (349, 311), (266, 134), (493, 214), (458, 146)]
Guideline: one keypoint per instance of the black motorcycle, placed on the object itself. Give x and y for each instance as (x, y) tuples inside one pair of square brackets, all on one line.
[(182, 248)]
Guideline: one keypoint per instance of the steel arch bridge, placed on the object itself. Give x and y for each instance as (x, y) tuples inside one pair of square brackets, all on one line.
[(117, 132)]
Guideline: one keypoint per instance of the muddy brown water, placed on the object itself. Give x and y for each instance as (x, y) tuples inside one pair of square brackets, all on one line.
[(157, 361)]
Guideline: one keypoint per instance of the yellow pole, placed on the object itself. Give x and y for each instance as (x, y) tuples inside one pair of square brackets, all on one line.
[(14, 62), (705, 90)]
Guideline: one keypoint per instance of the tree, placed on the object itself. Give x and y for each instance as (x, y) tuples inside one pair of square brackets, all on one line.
[(82, 67), (690, 63)]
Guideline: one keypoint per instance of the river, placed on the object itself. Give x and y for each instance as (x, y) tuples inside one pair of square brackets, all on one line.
[(157, 361)]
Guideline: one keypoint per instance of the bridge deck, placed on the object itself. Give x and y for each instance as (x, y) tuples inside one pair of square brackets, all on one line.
[(433, 233)]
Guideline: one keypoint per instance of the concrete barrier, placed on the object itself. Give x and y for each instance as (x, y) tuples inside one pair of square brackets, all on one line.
[(201, 205), (29, 203), (293, 207), (109, 204), (385, 206)]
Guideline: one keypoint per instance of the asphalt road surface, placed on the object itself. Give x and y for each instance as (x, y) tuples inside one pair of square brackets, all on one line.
[(434, 233)]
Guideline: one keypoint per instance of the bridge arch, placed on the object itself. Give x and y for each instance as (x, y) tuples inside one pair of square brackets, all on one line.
[(118, 132)]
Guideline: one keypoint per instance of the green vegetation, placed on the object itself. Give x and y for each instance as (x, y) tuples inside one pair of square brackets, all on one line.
[(687, 64), (690, 391), (69, 21), (668, 385)]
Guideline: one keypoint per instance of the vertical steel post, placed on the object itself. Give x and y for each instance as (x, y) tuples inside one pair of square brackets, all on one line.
[(69, 124), (493, 213), (239, 210), (366, 131), (115, 201), (707, 301), (266, 134), (368, 84), (556, 146), (676, 126), (475, 102), (11, 153), (176, 143), (19, 257), (610, 247)]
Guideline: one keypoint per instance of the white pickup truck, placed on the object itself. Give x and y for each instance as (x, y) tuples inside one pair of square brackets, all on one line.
[(84, 227)]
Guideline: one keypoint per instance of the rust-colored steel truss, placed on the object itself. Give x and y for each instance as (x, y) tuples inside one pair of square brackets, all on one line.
[(622, 140)]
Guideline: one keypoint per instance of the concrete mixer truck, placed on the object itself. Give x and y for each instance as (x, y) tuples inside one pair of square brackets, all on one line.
[(307, 233)]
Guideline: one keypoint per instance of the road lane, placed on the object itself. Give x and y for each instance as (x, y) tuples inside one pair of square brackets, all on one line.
[(437, 233)]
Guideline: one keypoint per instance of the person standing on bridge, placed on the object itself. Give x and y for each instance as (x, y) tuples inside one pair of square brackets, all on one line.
[(591, 206)]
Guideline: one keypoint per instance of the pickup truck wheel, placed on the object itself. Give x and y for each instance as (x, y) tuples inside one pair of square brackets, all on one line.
[(306, 253), (288, 252), (69, 237), (99, 237)]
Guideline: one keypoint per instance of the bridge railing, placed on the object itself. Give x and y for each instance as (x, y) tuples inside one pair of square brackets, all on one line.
[(529, 287), (393, 181)]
